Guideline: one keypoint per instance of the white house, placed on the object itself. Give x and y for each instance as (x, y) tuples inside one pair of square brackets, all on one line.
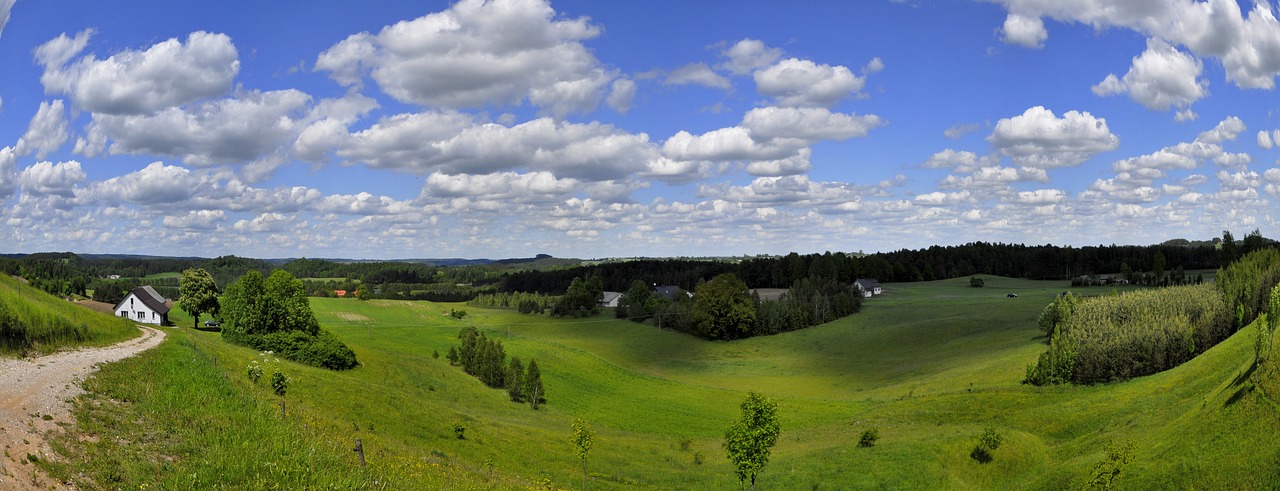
[(144, 305), (610, 299), (868, 287)]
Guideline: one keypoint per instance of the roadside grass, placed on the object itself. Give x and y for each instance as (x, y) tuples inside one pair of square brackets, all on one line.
[(930, 365), (33, 322)]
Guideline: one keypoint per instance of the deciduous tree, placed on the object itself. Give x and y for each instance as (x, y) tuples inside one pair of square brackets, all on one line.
[(199, 294), (583, 437), (749, 440), (533, 389), (723, 308)]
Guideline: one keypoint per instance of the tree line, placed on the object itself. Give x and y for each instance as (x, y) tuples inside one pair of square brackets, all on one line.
[(1109, 338), (933, 263)]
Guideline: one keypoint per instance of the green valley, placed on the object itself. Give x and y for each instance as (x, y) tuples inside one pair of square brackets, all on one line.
[(929, 365)]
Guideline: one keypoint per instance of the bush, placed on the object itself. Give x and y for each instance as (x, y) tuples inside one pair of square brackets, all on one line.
[(869, 438), (977, 282), (322, 350), (988, 442)]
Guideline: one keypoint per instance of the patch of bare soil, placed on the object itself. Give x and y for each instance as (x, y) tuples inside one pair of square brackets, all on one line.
[(34, 395), (351, 316)]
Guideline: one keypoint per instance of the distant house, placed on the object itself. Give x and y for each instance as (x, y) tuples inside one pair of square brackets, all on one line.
[(610, 299), (340, 293), (145, 305), (669, 292), (868, 287), (113, 277)]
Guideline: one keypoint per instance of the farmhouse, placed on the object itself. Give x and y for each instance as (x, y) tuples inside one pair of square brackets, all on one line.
[(669, 292), (868, 287), (610, 299), (145, 305)]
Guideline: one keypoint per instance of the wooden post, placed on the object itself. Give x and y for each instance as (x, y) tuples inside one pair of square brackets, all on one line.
[(281, 408), (359, 450)]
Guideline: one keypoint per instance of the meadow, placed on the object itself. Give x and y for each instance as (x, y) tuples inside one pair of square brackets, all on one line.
[(33, 322), (930, 365)]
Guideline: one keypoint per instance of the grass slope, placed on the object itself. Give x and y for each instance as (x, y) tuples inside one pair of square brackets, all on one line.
[(33, 322), (929, 364)]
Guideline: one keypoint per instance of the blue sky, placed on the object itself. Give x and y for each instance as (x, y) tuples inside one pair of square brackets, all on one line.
[(506, 128)]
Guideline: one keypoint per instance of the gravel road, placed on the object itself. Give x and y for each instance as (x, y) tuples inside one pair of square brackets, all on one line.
[(34, 395)]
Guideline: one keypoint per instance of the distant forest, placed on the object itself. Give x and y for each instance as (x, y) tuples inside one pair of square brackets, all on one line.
[(1046, 262), (72, 274)]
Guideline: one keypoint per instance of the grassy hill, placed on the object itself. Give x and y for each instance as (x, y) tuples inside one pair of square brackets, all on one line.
[(928, 364), (33, 322)]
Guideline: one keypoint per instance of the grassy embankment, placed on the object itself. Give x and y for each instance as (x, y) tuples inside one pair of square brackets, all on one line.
[(928, 364), (33, 322)]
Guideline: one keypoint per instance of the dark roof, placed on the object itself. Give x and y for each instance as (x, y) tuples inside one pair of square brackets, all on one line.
[(149, 297), (867, 283), (667, 292)]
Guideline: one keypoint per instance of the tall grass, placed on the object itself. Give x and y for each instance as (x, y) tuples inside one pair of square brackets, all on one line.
[(193, 422), (34, 322)]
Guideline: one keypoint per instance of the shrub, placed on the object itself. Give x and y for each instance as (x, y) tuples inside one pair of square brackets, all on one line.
[(279, 383), (988, 442), (459, 431), (977, 282), (869, 438), (322, 349)]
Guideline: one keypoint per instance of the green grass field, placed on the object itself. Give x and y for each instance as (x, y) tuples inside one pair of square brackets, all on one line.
[(33, 322), (928, 364)]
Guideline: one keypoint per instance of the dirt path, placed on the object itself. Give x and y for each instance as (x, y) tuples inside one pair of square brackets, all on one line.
[(33, 401)]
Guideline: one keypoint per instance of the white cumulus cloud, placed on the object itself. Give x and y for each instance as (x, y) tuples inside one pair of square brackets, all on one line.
[(46, 132), (47, 178), (1161, 78), (167, 74), (747, 55), (1038, 138), (795, 82), (478, 53)]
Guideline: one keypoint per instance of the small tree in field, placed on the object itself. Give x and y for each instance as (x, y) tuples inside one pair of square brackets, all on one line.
[(582, 439), (533, 384), (1106, 471), (748, 441), (977, 282), (362, 292), (988, 442)]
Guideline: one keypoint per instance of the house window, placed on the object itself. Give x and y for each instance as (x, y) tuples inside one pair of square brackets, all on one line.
[(142, 315)]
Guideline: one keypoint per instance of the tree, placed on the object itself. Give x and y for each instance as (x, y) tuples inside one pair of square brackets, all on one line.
[(533, 389), (362, 292), (723, 308), (976, 282), (748, 441), (638, 303), (199, 294), (515, 380), (1229, 252), (1106, 471), (582, 439), (1157, 268), (988, 442)]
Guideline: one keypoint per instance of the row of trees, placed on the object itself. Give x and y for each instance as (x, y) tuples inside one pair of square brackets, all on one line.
[(527, 303), (486, 360), (1110, 338)]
